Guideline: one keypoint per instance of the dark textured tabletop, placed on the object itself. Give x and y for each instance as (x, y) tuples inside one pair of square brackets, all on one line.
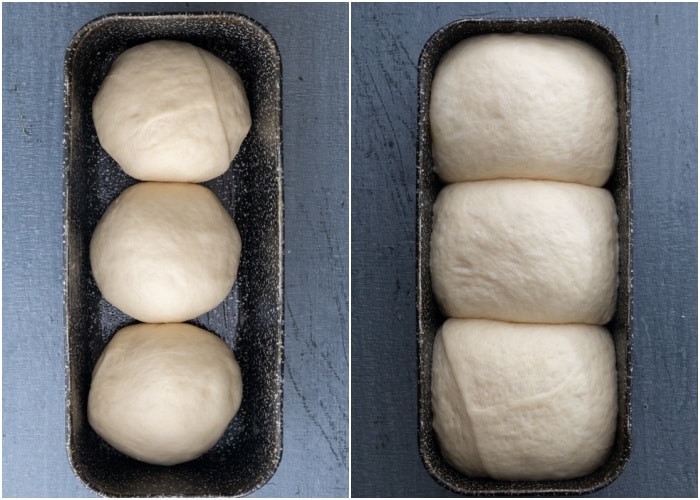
[(313, 42), (661, 41)]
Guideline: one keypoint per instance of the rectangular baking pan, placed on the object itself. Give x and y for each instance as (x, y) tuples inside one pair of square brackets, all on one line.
[(250, 319), (429, 317)]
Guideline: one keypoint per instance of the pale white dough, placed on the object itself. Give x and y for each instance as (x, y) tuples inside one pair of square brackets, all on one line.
[(165, 252), (525, 251), (170, 111), (523, 401), (524, 106), (164, 394)]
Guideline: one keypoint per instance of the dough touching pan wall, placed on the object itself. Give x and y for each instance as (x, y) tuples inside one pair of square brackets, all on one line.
[(468, 261)]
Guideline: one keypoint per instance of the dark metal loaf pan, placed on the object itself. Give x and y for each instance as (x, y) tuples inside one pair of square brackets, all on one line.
[(250, 319), (429, 317)]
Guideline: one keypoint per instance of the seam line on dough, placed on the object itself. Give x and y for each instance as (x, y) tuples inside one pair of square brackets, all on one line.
[(466, 407), (216, 104), (507, 405), (158, 118)]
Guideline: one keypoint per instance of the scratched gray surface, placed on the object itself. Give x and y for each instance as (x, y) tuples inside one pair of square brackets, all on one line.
[(661, 40), (313, 41)]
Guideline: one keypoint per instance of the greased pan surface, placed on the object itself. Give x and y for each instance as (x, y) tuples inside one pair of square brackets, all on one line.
[(250, 319), (429, 317)]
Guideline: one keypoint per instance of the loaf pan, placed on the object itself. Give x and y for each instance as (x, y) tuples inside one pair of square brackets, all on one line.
[(250, 320), (429, 317)]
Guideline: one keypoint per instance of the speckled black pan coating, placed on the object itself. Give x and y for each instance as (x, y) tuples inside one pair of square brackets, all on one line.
[(428, 316), (250, 320)]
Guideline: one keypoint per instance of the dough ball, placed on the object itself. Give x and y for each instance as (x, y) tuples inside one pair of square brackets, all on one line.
[(170, 111), (524, 106), (522, 401), (165, 252), (525, 251), (164, 394)]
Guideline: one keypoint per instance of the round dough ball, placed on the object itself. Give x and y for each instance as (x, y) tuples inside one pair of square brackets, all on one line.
[(170, 111), (524, 106), (164, 394), (525, 251), (523, 402), (165, 252)]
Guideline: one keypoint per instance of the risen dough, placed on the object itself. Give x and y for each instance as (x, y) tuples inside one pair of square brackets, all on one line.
[(170, 111), (165, 252), (523, 402), (524, 106), (525, 251), (164, 394)]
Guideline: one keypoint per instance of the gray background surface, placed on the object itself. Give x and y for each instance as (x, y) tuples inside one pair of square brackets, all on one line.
[(661, 40), (313, 41)]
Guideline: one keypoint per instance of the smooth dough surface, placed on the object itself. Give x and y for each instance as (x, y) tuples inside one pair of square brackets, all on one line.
[(524, 106), (165, 252), (523, 401), (170, 111), (164, 394), (525, 251)]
